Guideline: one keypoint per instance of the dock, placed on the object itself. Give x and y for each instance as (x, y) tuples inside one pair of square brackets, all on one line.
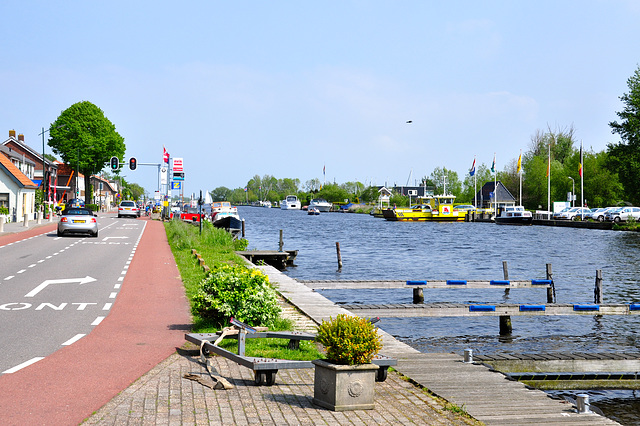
[(485, 394), (277, 259)]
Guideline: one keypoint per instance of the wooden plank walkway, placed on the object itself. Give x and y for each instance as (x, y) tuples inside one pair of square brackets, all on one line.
[(456, 284), (404, 310), (485, 394)]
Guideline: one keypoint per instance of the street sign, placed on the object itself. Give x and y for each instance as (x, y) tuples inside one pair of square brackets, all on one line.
[(176, 186), (178, 166)]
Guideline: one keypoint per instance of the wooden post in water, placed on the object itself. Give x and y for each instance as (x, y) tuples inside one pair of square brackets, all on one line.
[(597, 293), (418, 295), (242, 228), (550, 290), (505, 271), (505, 325), (339, 256), (281, 243)]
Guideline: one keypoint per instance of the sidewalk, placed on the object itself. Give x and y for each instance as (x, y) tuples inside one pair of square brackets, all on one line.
[(19, 232)]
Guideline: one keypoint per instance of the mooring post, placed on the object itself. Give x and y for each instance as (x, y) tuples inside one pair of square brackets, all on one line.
[(551, 291), (505, 325), (505, 272), (597, 292), (339, 256), (242, 228), (418, 295), (281, 243)]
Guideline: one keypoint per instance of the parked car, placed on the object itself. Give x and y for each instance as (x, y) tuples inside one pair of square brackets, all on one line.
[(597, 214), (569, 213), (624, 213), (78, 220), (128, 208), (466, 207)]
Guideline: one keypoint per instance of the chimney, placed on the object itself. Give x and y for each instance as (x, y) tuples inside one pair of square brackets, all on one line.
[(12, 134), (21, 137)]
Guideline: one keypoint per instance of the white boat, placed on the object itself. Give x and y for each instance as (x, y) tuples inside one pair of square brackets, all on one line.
[(320, 204), (514, 215), (290, 203), (313, 211)]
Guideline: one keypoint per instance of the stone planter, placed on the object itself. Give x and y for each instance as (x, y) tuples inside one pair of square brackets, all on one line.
[(344, 387)]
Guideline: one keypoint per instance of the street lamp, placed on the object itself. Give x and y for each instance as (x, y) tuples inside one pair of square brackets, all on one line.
[(573, 188)]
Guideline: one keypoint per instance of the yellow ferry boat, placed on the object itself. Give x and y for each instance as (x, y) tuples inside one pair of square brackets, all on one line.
[(437, 208)]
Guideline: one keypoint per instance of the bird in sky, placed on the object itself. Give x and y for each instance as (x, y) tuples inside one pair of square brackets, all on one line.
[(409, 121)]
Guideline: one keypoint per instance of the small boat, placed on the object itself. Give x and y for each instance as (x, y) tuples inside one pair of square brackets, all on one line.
[(225, 216), (313, 211), (290, 203), (438, 208), (321, 204), (514, 215)]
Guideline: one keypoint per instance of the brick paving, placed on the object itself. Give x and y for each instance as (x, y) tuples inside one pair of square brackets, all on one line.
[(164, 397)]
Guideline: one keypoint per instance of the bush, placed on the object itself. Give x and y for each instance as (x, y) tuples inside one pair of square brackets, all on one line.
[(349, 340), (4, 210), (92, 207), (236, 291)]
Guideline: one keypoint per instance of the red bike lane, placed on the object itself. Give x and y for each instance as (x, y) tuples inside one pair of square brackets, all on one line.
[(145, 325)]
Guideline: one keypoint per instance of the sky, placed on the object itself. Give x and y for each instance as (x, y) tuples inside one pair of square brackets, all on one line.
[(289, 88)]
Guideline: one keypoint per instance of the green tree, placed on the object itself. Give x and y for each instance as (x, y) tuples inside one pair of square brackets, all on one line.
[(482, 176), (453, 184), (85, 139), (333, 193), (220, 193), (624, 157)]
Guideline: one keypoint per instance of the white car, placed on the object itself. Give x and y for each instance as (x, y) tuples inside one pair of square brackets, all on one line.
[(570, 213), (598, 214), (624, 213)]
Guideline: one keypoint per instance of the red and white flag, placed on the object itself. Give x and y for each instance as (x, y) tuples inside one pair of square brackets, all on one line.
[(165, 154)]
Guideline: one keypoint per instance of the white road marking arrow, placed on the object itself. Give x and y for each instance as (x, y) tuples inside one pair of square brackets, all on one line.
[(44, 284), (106, 238)]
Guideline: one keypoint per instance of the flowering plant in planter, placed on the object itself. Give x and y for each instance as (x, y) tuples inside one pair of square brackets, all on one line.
[(349, 340)]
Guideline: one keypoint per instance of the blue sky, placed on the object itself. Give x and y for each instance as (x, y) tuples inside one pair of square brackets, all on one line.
[(287, 87)]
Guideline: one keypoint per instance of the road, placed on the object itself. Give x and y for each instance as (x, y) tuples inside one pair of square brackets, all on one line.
[(55, 290)]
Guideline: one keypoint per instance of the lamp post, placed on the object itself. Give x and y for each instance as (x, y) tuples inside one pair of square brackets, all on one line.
[(573, 188)]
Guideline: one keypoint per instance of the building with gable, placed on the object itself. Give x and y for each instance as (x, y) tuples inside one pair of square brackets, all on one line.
[(17, 191)]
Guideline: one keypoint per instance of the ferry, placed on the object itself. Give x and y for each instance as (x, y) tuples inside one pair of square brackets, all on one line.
[(437, 208)]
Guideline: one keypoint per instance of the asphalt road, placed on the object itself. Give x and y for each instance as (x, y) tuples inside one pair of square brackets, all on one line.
[(55, 290)]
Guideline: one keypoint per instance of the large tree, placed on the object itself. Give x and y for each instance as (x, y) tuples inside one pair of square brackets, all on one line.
[(85, 139), (624, 157)]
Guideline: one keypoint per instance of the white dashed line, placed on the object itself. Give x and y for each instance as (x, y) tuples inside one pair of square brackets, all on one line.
[(73, 339), (97, 321), (23, 365), (107, 306)]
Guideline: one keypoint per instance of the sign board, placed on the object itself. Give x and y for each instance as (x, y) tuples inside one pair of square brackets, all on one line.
[(176, 186), (157, 195), (163, 176), (413, 192), (178, 167)]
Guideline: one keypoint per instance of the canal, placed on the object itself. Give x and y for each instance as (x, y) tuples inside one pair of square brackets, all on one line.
[(375, 249)]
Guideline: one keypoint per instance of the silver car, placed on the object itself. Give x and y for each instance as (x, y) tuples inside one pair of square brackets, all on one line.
[(78, 220), (624, 214)]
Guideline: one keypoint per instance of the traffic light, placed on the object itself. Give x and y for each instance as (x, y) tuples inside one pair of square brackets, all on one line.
[(115, 163), (133, 163)]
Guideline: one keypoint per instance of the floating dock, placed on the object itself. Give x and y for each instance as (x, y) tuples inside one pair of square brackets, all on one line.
[(277, 259)]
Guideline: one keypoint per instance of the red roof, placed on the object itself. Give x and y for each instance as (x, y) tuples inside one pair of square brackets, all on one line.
[(15, 173)]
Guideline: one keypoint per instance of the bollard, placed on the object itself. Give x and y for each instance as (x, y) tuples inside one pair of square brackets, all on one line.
[(597, 292), (582, 403), (339, 256), (1, 224), (242, 228), (505, 272), (418, 295), (468, 356), (40, 214), (26, 220)]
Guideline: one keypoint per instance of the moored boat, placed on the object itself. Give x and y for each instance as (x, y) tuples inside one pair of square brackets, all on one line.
[(514, 215), (290, 203), (438, 208), (321, 204)]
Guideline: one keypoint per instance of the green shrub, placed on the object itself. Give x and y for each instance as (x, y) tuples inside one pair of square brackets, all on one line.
[(92, 207), (349, 340), (239, 292), (4, 210)]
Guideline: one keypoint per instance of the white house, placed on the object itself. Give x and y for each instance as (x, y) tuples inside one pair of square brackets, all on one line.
[(17, 191)]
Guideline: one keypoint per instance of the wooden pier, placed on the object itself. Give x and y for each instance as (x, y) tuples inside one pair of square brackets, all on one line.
[(277, 259), (485, 394), (455, 284)]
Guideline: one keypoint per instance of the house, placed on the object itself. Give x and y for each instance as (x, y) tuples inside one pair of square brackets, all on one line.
[(485, 197), (384, 197), (104, 192), (17, 191), (44, 174)]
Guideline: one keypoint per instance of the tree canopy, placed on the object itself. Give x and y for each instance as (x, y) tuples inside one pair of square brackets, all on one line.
[(83, 137)]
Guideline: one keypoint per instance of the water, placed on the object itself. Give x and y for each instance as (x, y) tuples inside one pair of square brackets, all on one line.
[(375, 249)]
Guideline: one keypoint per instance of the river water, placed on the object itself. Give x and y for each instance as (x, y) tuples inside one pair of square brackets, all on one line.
[(375, 249)]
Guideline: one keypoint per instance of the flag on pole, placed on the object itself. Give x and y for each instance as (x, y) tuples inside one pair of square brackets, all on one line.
[(165, 154), (520, 162), (324, 170), (472, 170), (580, 164), (493, 166)]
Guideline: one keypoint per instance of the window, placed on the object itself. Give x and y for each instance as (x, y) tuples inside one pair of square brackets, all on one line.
[(4, 200)]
